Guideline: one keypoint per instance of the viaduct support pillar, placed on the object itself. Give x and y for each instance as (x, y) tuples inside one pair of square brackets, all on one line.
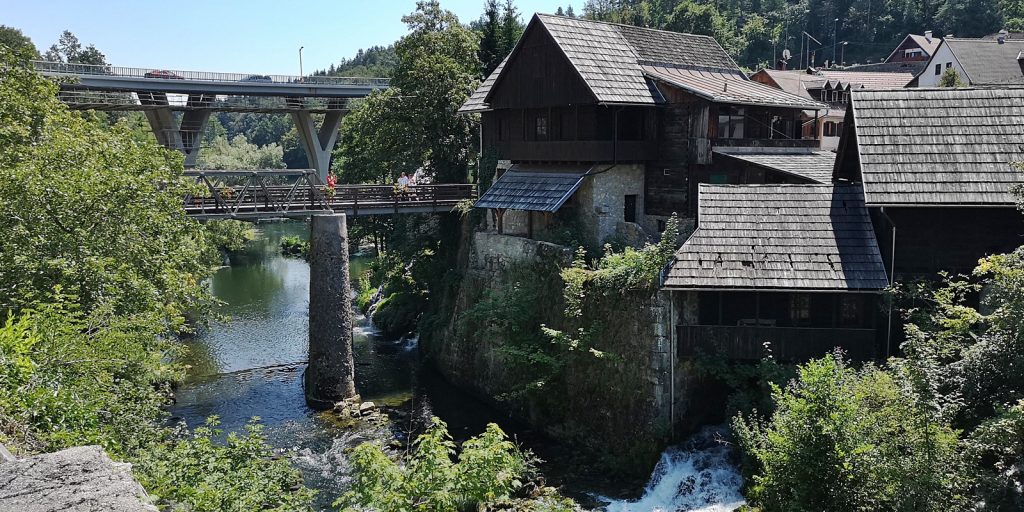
[(330, 376), (186, 136), (318, 143)]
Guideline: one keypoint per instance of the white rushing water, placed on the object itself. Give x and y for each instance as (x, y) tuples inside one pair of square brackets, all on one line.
[(694, 477)]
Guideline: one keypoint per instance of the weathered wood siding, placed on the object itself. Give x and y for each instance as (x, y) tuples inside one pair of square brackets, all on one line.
[(929, 240), (539, 77)]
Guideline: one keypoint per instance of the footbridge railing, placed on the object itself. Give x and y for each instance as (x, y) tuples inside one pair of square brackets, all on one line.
[(252, 195)]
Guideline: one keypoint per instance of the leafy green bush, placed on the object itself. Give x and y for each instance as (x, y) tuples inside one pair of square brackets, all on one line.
[(294, 246), (230, 235), (365, 293), (488, 468), (847, 440), (197, 473)]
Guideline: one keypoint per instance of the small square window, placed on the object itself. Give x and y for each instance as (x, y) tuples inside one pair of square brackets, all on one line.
[(949, 65), (541, 127)]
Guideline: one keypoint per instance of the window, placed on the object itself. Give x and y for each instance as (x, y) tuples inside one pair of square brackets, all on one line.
[(730, 122), (629, 208), (850, 308), (830, 129), (661, 226), (800, 309), (949, 65), (541, 127), (938, 69)]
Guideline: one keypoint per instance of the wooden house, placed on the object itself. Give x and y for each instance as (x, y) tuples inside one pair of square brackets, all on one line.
[(915, 48), (831, 87), (937, 166), (796, 267), (921, 185), (609, 127)]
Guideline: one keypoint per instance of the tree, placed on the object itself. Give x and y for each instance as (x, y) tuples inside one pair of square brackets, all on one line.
[(90, 211), (569, 12), (438, 70), (15, 40), (848, 440), (239, 154), (559, 11), (511, 27), (491, 38), (950, 78), (69, 50)]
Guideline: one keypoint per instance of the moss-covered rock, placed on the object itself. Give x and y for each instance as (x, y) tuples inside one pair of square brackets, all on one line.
[(396, 314)]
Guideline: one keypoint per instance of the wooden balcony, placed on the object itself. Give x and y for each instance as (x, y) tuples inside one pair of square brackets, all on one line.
[(787, 343), (578, 150)]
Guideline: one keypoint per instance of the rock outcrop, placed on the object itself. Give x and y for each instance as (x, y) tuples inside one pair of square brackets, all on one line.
[(80, 479)]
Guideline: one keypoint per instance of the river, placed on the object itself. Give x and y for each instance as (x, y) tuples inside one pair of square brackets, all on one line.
[(251, 363)]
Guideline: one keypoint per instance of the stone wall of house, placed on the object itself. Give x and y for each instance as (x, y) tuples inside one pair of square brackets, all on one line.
[(602, 199), (492, 253)]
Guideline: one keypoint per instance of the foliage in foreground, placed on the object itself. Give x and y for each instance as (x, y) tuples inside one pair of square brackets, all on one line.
[(99, 267), (198, 473), (488, 469), (941, 428), (843, 439)]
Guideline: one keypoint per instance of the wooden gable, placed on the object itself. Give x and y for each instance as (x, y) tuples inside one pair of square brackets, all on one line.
[(538, 75)]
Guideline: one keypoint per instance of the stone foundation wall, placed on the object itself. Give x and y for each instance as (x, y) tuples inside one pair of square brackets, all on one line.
[(619, 405)]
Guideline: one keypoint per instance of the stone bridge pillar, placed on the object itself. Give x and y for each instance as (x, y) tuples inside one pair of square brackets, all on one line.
[(330, 376)]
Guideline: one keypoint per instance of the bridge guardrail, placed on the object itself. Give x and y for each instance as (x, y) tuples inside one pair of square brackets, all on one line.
[(258, 195), (71, 69)]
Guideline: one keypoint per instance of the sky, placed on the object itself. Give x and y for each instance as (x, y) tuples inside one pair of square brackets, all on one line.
[(238, 36)]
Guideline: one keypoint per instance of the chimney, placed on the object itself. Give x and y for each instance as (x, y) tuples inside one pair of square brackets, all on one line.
[(928, 35), (1002, 36)]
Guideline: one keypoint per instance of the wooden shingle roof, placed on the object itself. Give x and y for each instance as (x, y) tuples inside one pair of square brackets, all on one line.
[(812, 165), (938, 146), (728, 87), (781, 237), (533, 188), (477, 100), (615, 62)]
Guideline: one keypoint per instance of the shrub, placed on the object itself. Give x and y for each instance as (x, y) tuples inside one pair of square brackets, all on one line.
[(489, 468), (196, 473), (294, 246), (847, 440)]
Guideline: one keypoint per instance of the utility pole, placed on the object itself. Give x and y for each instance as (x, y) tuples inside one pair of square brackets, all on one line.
[(843, 54), (809, 39), (300, 60), (835, 25)]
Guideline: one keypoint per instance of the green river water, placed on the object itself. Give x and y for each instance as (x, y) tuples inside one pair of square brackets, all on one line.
[(251, 364)]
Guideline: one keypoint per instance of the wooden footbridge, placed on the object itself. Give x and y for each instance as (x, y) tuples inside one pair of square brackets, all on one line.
[(254, 195)]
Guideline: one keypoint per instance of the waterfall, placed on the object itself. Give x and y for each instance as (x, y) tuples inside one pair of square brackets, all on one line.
[(696, 476)]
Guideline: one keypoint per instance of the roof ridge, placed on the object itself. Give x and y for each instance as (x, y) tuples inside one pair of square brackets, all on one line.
[(587, 20)]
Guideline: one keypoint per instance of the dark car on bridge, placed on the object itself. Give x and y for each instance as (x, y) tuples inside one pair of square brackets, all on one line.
[(257, 78), (163, 73)]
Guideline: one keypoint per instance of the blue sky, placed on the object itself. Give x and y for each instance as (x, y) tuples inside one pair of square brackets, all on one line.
[(251, 36)]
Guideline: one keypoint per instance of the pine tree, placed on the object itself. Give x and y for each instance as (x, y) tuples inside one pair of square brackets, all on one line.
[(559, 12), (569, 12), (491, 40), (511, 28)]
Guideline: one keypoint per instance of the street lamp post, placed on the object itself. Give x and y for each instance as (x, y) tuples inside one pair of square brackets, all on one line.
[(842, 57), (835, 25), (300, 60)]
